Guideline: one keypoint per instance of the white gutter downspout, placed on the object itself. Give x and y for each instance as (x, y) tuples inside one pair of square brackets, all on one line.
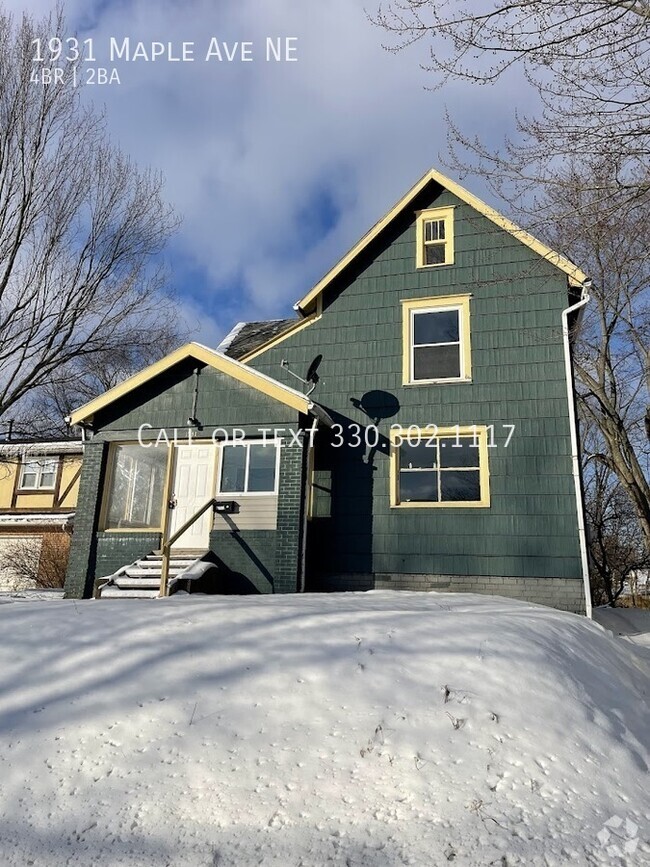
[(307, 465), (575, 459)]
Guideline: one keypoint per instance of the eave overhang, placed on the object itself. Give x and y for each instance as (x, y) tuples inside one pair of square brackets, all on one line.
[(224, 364)]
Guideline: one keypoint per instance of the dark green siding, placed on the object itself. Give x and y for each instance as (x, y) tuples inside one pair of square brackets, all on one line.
[(167, 402), (530, 529), (269, 560), (83, 548), (525, 544)]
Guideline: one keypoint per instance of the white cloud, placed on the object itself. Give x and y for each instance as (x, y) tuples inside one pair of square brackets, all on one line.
[(251, 150)]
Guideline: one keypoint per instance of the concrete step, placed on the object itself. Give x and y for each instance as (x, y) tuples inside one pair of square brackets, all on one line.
[(141, 580), (184, 553), (179, 555), (135, 572), (119, 593), (129, 583)]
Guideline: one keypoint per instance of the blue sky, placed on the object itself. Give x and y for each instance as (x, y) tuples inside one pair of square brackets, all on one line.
[(275, 169)]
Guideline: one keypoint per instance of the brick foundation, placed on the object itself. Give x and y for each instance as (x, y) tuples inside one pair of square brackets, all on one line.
[(562, 593)]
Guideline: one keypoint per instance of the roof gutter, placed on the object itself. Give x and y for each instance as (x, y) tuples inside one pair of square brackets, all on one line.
[(321, 414), (575, 453)]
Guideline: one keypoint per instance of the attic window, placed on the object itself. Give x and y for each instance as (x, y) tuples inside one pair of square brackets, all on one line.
[(435, 237)]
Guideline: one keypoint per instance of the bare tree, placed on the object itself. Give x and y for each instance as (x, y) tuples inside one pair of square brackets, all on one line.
[(80, 230), (36, 562), (612, 347), (616, 545), (578, 174), (89, 375), (588, 62)]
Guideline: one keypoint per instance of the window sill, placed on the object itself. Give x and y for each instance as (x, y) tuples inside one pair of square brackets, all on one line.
[(459, 381), (229, 495), (455, 505), (22, 491), (149, 530)]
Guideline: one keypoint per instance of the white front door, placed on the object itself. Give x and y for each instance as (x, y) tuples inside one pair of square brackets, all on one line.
[(193, 486)]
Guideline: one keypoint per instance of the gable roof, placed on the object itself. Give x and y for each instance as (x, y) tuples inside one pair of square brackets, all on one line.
[(575, 275), (246, 337), (211, 357)]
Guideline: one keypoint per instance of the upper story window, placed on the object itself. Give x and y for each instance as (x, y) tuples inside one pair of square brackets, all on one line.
[(38, 474), (435, 237), (249, 468), (436, 340)]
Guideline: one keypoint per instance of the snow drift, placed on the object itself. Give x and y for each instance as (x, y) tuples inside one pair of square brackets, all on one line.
[(355, 729)]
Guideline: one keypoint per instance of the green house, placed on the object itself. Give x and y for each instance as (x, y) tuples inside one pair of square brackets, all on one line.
[(412, 428)]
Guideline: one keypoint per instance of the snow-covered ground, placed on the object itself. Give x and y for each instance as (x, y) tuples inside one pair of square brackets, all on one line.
[(373, 729), (630, 623)]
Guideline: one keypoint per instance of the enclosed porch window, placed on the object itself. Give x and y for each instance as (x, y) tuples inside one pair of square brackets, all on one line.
[(136, 487)]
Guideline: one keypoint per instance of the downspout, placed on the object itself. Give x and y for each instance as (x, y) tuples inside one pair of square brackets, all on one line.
[(82, 427), (575, 454), (307, 452)]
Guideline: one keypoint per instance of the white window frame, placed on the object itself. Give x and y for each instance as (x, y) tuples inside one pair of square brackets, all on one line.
[(40, 463), (246, 445)]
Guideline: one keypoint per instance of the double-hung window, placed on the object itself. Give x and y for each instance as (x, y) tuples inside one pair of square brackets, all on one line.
[(435, 237), (436, 340), (38, 474), (440, 467), (249, 468)]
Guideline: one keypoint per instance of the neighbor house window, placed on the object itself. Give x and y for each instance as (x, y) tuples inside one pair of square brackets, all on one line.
[(435, 237), (38, 474), (438, 467), (136, 487), (249, 468), (436, 340)]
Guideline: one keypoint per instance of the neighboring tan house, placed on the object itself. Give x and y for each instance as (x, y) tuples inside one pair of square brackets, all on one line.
[(39, 482), (436, 374)]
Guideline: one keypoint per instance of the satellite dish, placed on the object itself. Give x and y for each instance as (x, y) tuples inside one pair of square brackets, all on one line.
[(312, 377)]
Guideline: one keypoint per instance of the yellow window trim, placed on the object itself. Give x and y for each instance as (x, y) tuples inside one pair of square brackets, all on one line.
[(446, 214), (108, 481), (428, 431), (460, 302)]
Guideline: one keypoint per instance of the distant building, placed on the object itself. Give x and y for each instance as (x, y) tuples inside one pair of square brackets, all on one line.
[(39, 482)]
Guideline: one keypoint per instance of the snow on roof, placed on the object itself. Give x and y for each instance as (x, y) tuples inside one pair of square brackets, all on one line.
[(246, 337), (41, 447), (31, 519)]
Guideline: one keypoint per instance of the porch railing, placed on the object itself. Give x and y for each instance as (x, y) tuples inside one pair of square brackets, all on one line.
[(167, 544)]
